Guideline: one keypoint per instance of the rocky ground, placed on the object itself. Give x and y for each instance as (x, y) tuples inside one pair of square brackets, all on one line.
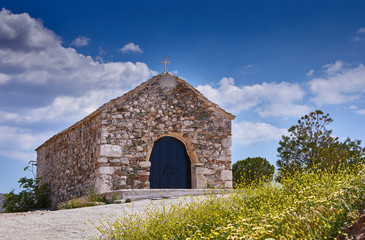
[(68, 224)]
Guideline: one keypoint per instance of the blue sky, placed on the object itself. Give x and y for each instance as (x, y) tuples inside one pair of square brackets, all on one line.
[(267, 62)]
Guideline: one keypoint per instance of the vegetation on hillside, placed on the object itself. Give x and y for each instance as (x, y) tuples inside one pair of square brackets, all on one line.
[(314, 205)]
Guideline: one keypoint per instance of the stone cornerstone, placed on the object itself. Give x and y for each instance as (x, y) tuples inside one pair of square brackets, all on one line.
[(110, 149)]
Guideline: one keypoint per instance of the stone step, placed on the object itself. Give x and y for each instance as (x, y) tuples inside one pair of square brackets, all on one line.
[(128, 195)]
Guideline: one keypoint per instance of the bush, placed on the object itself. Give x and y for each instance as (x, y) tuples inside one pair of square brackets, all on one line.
[(34, 195), (251, 171)]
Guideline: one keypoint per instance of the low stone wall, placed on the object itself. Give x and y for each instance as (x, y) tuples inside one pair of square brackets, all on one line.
[(1, 202)]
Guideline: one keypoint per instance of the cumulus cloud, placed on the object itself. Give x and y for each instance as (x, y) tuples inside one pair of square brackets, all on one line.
[(246, 133), (19, 143), (359, 37), (81, 41), (66, 84), (310, 73), (360, 112), (21, 33), (268, 99), (39, 58), (131, 47), (333, 68), (339, 84), (361, 30)]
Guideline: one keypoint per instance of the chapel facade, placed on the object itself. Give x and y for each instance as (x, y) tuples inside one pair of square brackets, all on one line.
[(163, 134)]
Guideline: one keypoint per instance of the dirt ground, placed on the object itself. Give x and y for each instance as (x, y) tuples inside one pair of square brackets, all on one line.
[(68, 224)]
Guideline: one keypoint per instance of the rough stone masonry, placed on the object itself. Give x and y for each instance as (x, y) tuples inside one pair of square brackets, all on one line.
[(110, 149)]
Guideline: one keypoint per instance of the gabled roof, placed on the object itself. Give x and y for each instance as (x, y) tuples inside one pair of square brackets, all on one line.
[(162, 76)]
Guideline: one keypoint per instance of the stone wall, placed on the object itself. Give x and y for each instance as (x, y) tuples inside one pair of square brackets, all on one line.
[(68, 161), (164, 106)]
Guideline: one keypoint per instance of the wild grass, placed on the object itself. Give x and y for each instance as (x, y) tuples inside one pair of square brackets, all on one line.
[(306, 206)]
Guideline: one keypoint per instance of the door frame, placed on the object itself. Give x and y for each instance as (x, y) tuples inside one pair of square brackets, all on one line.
[(189, 150)]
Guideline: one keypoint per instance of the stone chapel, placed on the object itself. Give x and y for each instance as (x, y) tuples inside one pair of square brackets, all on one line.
[(164, 134)]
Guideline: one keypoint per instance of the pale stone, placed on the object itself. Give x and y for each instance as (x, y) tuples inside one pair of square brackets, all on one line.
[(124, 160), (139, 148), (145, 164), (204, 171), (144, 173), (226, 175), (108, 150), (103, 184), (228, 184), (106, 170), (186, 122), (227, 142), (102, 160)]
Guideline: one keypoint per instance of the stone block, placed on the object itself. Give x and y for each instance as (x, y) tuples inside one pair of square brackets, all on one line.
[(227, 142), (102, 160), (106, 170), (139, 148), (204, 171), (109, 150), (226, 175), (145, 164), (103, 184)]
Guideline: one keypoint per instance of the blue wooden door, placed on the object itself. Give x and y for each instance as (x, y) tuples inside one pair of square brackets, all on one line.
[(170, 164)]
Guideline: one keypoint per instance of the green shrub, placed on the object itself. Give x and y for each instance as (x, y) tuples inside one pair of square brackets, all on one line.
[(252, 171), (33, 196)]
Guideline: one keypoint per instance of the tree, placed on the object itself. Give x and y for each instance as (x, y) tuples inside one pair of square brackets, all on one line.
[(34, 195), (310, 145), (252, 170)]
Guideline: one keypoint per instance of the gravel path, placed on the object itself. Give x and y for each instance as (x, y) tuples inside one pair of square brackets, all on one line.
[(69, 224)]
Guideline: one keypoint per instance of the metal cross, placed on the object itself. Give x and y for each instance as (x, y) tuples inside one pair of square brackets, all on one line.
[(165, 62)]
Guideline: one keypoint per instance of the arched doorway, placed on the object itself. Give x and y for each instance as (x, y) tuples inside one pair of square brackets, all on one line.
[(170, 164)]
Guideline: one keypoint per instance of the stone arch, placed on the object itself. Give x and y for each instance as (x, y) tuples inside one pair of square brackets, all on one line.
[(189, 149)]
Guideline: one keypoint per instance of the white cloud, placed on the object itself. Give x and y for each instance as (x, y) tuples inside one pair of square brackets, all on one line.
[(19, 143), (245, 133), (33, 54), (333, 68), (268, 99), (4, 78), (310, 73), (357, 39), (66, 84), (339, 85), (64, 109), (361, 30), (20, 32), (360, 112), (131, 47), (246, 69), (81, 41)]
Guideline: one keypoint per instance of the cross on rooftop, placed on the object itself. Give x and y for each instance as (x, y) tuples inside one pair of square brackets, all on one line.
[(165, 62)]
